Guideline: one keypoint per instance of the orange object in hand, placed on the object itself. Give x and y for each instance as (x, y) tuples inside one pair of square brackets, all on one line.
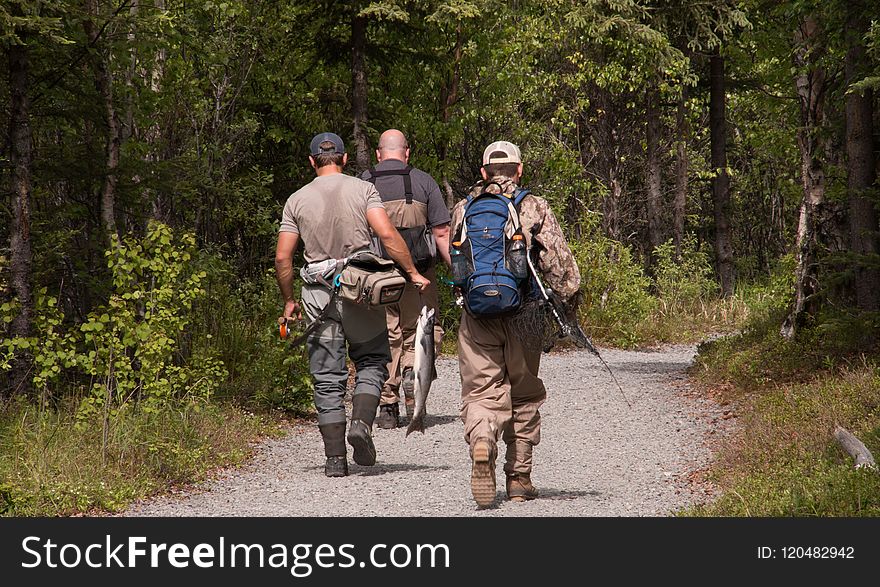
[(283, 330)]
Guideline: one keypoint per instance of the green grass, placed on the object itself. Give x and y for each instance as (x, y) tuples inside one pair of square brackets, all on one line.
[(691, 322), (784, 460), (51, 467)]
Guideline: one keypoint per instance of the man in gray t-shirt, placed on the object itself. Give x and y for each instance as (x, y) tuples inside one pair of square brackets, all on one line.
[(333, 216)]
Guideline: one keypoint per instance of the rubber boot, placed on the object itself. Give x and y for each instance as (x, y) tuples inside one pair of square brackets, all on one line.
[(360, 432), (334, 449)]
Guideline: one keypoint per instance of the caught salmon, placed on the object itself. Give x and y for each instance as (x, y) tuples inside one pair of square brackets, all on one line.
[(423, 368)]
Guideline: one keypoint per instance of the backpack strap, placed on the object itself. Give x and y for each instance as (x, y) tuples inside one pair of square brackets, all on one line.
[(512, 212), (407, 180), (519, 195)]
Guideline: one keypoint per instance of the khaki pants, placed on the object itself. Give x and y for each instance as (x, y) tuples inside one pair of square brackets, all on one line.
[(402, 319), (500, 389)]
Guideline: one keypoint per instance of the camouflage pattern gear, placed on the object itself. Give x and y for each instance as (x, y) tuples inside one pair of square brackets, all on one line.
[(555, 260), (501, 391)]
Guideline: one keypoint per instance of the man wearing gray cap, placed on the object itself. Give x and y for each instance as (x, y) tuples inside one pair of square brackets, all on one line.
[(500, 388), (332, 216)]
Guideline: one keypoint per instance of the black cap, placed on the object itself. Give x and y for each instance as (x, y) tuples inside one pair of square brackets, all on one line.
[(315, 145)]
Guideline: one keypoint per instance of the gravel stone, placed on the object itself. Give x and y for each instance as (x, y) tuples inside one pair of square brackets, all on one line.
[(597, 456)]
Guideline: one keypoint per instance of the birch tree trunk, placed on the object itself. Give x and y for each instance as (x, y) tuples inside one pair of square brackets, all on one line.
[(679, 202), (653, 201), (810, 85)]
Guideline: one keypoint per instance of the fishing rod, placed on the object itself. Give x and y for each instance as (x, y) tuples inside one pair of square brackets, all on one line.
[(569, 329)]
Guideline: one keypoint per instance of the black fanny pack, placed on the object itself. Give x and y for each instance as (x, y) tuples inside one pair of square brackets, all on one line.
[(420, 242)]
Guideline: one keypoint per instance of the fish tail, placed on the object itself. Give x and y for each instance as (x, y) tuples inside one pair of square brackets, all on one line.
[(416, 425)]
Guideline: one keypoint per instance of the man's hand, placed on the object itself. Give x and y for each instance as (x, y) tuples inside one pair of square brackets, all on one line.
[(292, 307), (419, 280)]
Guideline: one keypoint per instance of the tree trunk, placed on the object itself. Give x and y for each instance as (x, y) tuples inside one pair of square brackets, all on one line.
[(721, 181), (153, 134), (604, 142), (128, 126), (448, 98), (810, 84), (860, 163), (610, 208), (21, 263), (359, 92), (104, 83), (679, 202), (653, 201)]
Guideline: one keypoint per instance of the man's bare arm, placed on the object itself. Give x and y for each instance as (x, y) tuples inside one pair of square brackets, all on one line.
[(441, 237), (286, 247)]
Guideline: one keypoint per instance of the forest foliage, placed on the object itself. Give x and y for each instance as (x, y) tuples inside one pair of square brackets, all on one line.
[(711, 163)]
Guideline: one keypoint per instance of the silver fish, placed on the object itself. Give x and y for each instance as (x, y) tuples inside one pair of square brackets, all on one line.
[(423, 368)]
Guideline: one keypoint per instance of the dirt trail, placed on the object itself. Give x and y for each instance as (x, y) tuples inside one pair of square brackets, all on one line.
[(598, 457)]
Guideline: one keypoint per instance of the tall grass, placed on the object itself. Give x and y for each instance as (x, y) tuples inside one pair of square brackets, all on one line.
[(51, 464)]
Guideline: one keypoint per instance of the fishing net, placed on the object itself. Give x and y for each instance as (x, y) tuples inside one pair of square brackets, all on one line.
[(534, 325)]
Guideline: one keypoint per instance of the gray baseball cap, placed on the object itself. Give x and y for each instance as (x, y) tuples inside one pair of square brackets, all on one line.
[(315, 145)]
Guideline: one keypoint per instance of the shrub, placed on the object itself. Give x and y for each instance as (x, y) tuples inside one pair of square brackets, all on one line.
[(240, 319), (614, 288), (683, 284)]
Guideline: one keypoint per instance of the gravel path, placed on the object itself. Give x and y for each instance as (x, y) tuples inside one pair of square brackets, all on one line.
[(598, 457)]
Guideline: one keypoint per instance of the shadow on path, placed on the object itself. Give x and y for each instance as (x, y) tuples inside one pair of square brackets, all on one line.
[(382, 468), (650, 367), (554, 494), (567, 493)]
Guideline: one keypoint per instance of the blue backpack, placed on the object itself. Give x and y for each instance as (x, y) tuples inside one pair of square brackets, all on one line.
[(488, 255)]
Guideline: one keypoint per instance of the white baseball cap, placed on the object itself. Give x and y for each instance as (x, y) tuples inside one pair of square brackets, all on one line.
[(501, 152)]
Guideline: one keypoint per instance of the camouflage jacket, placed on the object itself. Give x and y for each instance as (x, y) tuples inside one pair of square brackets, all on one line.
[(554, 258)]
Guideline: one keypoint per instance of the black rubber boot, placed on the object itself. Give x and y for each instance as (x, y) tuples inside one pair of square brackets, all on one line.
[(334, 449), (389, 416), (336, 467), (363, 407), (360, 436)]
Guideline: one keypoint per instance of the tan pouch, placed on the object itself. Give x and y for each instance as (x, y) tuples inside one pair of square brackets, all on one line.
[(371, 281)]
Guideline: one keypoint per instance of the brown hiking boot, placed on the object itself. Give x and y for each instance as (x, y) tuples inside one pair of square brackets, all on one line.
[(520, 488), (483, 472), (389, 416)]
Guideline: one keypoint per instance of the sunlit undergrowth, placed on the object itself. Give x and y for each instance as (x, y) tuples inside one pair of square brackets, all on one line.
[(51, 464), (790, 396)]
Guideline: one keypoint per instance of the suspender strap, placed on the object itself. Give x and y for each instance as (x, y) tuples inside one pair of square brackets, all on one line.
[(407, 180)]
